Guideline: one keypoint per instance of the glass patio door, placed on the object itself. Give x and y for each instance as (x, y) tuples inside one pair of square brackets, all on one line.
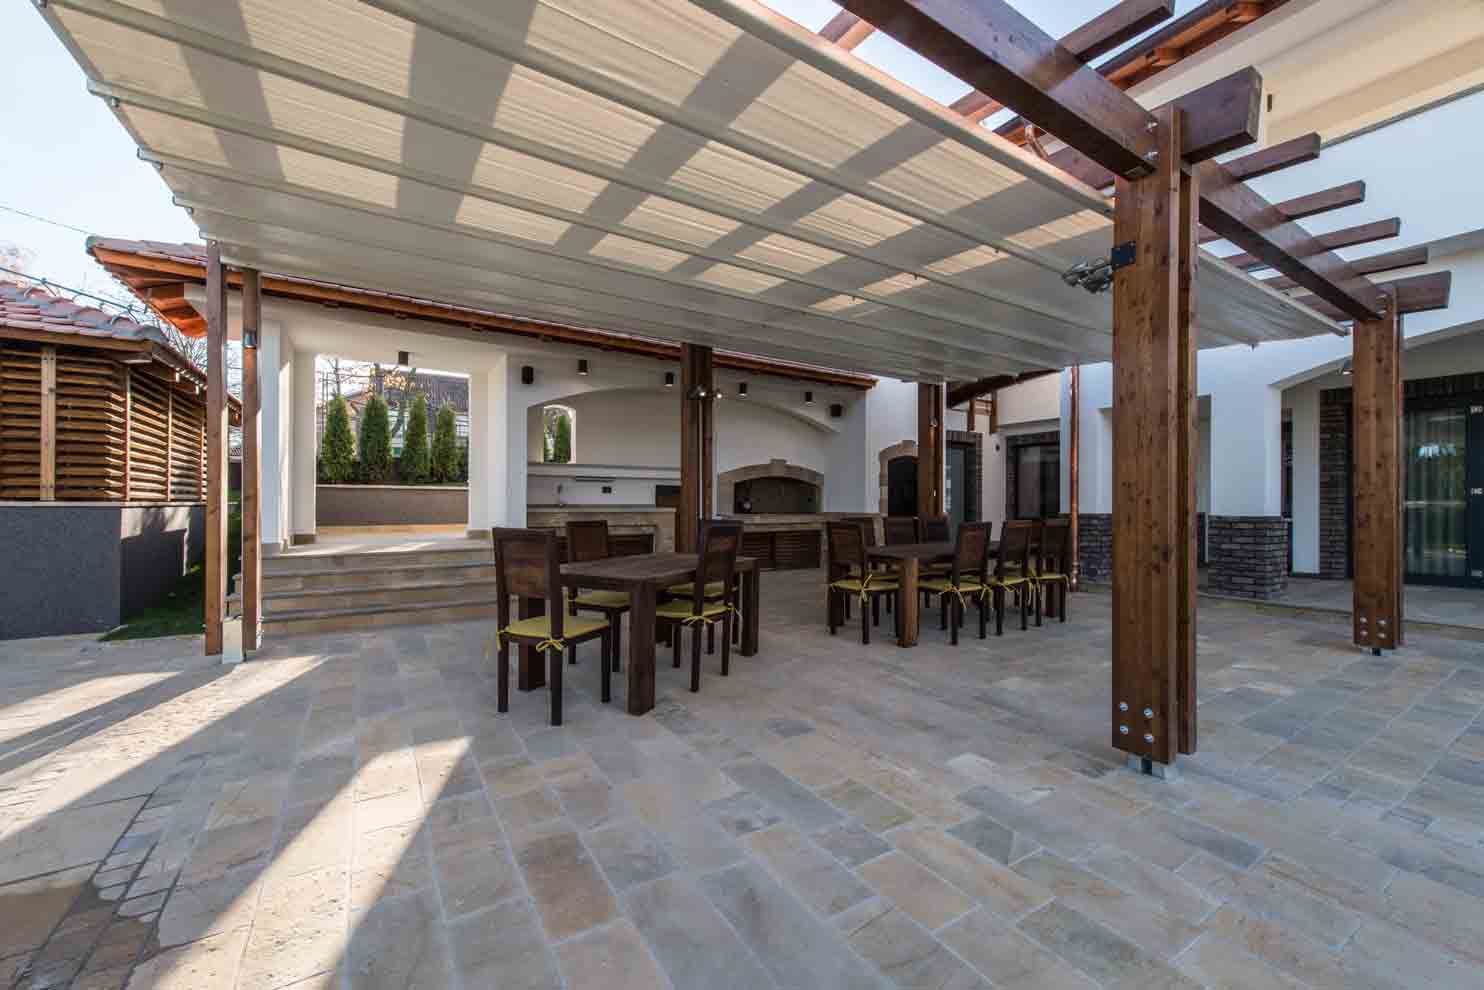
[(1438, 508)]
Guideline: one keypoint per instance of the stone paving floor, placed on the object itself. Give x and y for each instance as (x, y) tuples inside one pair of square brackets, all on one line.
[(1459, 608), (348, 812)]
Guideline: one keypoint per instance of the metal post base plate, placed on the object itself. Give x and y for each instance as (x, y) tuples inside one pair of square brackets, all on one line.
[(1144, 765)]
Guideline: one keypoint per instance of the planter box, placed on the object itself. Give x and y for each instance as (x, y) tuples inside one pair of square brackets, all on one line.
[(391, 505)]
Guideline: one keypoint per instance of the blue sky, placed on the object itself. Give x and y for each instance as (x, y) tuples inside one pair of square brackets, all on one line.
[(65, 157)]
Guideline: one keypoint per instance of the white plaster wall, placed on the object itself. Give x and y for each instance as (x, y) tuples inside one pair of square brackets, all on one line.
[(274, 438), (303, 425), (628, 426)]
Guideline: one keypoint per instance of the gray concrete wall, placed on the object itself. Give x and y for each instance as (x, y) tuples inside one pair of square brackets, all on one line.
[(390, 505), (80, 567)]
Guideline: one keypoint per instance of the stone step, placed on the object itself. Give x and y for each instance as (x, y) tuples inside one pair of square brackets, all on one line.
[(376, 616), (301, 563), (378, 574), (386, 594)]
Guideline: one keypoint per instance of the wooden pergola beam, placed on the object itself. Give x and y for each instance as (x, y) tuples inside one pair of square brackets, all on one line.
[(1376, 264), (1001, 53), (961, 392), (1266, 161), (1366, 233), (1105, 32), (846, 30), (1236, 212), (1312, 204)]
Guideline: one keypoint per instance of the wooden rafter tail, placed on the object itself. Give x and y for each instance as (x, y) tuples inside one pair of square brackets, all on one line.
[(1266, 161), (846, 30), (1376, 264), (1312, 204), (1366, 233), (961, 392), (1417, 294)]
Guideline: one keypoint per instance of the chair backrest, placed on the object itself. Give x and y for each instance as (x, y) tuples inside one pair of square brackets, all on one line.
[(971, 551), (1056, 547), (847, 545), (868, 527), (935, 530), (587, 539), (1015, 548), (900, 530), (721, 540), (526, 566)]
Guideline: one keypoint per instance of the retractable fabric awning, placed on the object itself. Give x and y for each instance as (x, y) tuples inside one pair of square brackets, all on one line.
[(702, 171)]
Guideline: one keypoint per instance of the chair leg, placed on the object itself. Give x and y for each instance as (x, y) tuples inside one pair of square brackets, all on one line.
[(830, 605), (710, 640), (865, 625), (502, 678), (695, 658), (1024, 607), (981, 617), (875, 611), (607, 667), (726, 644), (1037, 604), (999, 611), (617, 642), (957, 619), (942, 611), (675, 638), (571, 654), (554, 677), (847, 608), (1065, 589)]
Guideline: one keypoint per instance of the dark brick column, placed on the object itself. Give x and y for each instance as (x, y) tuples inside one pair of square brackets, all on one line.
[(1334, 483), (1095, 546), (1249, 555)]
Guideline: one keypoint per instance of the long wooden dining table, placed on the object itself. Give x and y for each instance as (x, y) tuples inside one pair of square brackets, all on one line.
[(908, 559), (643, 577)]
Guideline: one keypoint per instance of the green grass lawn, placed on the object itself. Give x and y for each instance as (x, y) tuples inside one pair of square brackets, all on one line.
[(182, 612)]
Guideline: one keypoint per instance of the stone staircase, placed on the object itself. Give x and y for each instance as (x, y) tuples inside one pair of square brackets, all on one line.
[(363, 589)]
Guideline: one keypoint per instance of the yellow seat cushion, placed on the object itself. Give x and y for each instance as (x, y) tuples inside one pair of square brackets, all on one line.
[(854, 584), (603, 599), (539, 627), (943, 585), (680, 611), (1008, 582), (714, 589)]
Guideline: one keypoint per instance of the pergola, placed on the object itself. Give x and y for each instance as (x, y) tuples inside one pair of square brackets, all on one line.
[(710, 172)]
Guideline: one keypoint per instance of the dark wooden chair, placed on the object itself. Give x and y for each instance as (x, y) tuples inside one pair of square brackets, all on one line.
[(935, 529), (899, 530), (714, 593), (1053, 571), (526, 567), (587, 539), (717, 562), (965, 578), (868, 531), (847, 545), (1012, 572)]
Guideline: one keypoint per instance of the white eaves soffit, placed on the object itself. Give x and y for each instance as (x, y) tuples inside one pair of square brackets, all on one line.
[(705, 171)]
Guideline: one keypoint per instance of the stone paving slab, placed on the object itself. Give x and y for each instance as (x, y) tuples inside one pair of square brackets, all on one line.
[(347, 810)]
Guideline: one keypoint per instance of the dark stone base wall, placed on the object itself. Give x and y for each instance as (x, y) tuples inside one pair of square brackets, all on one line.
[(1095, 546), (1248, 555), (390, 505)]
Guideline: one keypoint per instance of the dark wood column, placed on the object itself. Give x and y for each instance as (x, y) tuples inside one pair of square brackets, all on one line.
[(929, 450), (216, 447), (697, 392), (252, 494), (1377, 384), (1151, 488)]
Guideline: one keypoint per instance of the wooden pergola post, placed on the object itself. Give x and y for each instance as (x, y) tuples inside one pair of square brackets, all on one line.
[(929, 451), (697, 395), (216, 447), (1074, 491), (1152, 488), (252, 498), (1377, 383)]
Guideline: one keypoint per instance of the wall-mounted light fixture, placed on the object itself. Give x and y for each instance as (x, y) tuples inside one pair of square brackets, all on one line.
[(1347, 367), (527, 375), (742, 390), (404, 359), (669, 379), (808, 398), (836, 410), (696, 392), (582, 366)]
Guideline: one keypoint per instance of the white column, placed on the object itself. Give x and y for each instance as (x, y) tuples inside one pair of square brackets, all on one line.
[(1247, 451), (305, 429), (1304, 404), (270, 364), (494, 441)]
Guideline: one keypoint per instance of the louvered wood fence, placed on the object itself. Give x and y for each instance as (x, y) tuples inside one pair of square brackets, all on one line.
[(78, 424)]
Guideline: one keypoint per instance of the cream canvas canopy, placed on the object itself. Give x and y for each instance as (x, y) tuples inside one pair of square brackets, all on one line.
[(703, 171)]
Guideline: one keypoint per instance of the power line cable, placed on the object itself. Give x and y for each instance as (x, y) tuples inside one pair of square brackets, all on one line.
[(54, 223)]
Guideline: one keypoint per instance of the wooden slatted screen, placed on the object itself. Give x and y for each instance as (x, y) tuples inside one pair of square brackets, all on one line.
[(188, 450), (20, 421), (90, 426), (149, 441)]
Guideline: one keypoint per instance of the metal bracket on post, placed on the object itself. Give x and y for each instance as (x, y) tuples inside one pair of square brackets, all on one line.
[(1123, 255)]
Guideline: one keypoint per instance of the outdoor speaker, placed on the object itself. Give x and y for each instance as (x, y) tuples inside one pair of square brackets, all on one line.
[(836, 410), (527, 375), (404, 359)]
